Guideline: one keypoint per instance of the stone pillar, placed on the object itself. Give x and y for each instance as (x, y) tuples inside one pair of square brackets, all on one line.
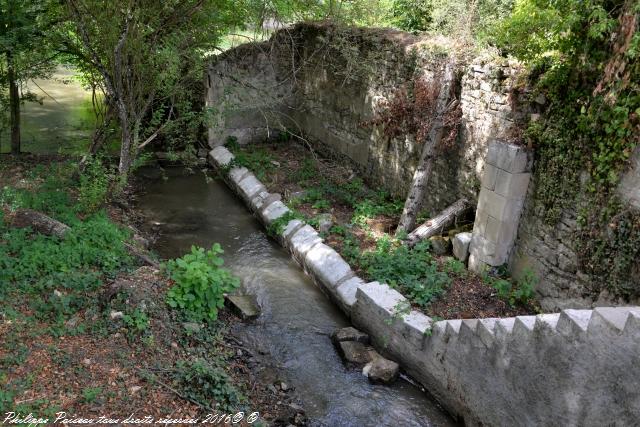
[(507, 172)]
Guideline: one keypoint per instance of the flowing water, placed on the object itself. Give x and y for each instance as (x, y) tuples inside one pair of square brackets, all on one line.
[(297, 318)]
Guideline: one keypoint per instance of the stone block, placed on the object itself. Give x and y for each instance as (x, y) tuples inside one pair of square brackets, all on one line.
[(500, 232), (493, 204), (220, 157), (257, 201), (354, 352), (245, 306), (480, 224), (511, 158), (349, 334), (293, 226), (326, 265), (512, 185), (381, 370), (302, 240), (346, 292), (237, 174), (274, 211), (268, 200), (249, 187), (489, 176), (499, 206), (379, 300), (414, 328), (491, 253), (461, 243)]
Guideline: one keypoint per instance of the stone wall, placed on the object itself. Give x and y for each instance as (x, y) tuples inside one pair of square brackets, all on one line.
[(324, 84), (550, 252), (311, 84), (574, 368)]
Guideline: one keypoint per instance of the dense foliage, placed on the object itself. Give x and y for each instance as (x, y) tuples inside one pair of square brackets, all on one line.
[(59, 275), (200, 283), (583, 58)]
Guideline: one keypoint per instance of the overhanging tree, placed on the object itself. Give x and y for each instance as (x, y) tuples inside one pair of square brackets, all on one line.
[(146, 52)]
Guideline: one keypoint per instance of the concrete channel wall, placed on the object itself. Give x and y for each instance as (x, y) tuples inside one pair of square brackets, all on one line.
[(574, 368)]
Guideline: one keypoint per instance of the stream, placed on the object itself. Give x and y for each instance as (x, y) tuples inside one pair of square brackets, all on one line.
[(292, 333)]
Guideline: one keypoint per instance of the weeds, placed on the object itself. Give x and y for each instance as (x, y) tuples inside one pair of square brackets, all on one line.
[(206, 384), (200, 283)]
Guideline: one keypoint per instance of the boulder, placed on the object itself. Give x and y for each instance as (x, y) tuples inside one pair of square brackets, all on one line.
[(354, 352), (349, 334), (461, 245), (381, 370), (440, 245)]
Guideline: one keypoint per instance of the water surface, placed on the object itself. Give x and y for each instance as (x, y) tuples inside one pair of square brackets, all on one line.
[(297, 318)]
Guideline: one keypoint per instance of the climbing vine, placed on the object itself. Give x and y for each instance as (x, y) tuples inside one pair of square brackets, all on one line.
[(586, 69)]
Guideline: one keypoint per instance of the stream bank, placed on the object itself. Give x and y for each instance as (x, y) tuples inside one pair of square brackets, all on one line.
[(292, 335), (85, 330)]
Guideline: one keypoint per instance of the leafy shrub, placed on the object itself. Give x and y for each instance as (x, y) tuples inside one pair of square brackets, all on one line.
[(137, 321), (411, 15), (520, 292), (414, 271), (372, 207), (200, 283), (59, 273), (93, 186), (257, 160)]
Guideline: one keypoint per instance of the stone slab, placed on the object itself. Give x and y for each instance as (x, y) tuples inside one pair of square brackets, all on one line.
[(326, 265), (302, 241), (460, 244), (220, 157), (346, 292), (274, 211), (349, 334), (245, 306)]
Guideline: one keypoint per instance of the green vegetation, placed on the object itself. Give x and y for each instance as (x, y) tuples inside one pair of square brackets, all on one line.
[(200, 283), (583, 60), (203, 383), (259, 161), (514, 292), (58, 275), (414, 271)]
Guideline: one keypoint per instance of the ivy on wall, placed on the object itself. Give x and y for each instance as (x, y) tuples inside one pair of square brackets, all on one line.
[(584, 61)]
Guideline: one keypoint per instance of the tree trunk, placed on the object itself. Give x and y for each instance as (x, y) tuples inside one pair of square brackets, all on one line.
[(125, 147), (39, 222), (436, 225), (413, 204), (14, 105)]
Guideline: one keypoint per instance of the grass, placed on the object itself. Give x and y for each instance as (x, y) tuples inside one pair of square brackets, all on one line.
[(60, 346)]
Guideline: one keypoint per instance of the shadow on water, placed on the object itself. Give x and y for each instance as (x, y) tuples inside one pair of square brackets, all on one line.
[(297, 318)]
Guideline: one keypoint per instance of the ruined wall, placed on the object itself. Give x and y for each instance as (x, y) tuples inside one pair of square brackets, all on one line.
[(324, 84), (313, 83)]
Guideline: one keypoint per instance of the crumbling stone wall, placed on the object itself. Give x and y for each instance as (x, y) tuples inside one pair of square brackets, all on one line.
[(312, 81), (324, 84)]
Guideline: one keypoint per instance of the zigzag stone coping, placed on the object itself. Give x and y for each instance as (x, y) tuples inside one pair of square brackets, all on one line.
[(573, 368)]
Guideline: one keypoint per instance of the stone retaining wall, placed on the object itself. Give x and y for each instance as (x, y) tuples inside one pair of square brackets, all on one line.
[(574, 368), (324, 83)]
